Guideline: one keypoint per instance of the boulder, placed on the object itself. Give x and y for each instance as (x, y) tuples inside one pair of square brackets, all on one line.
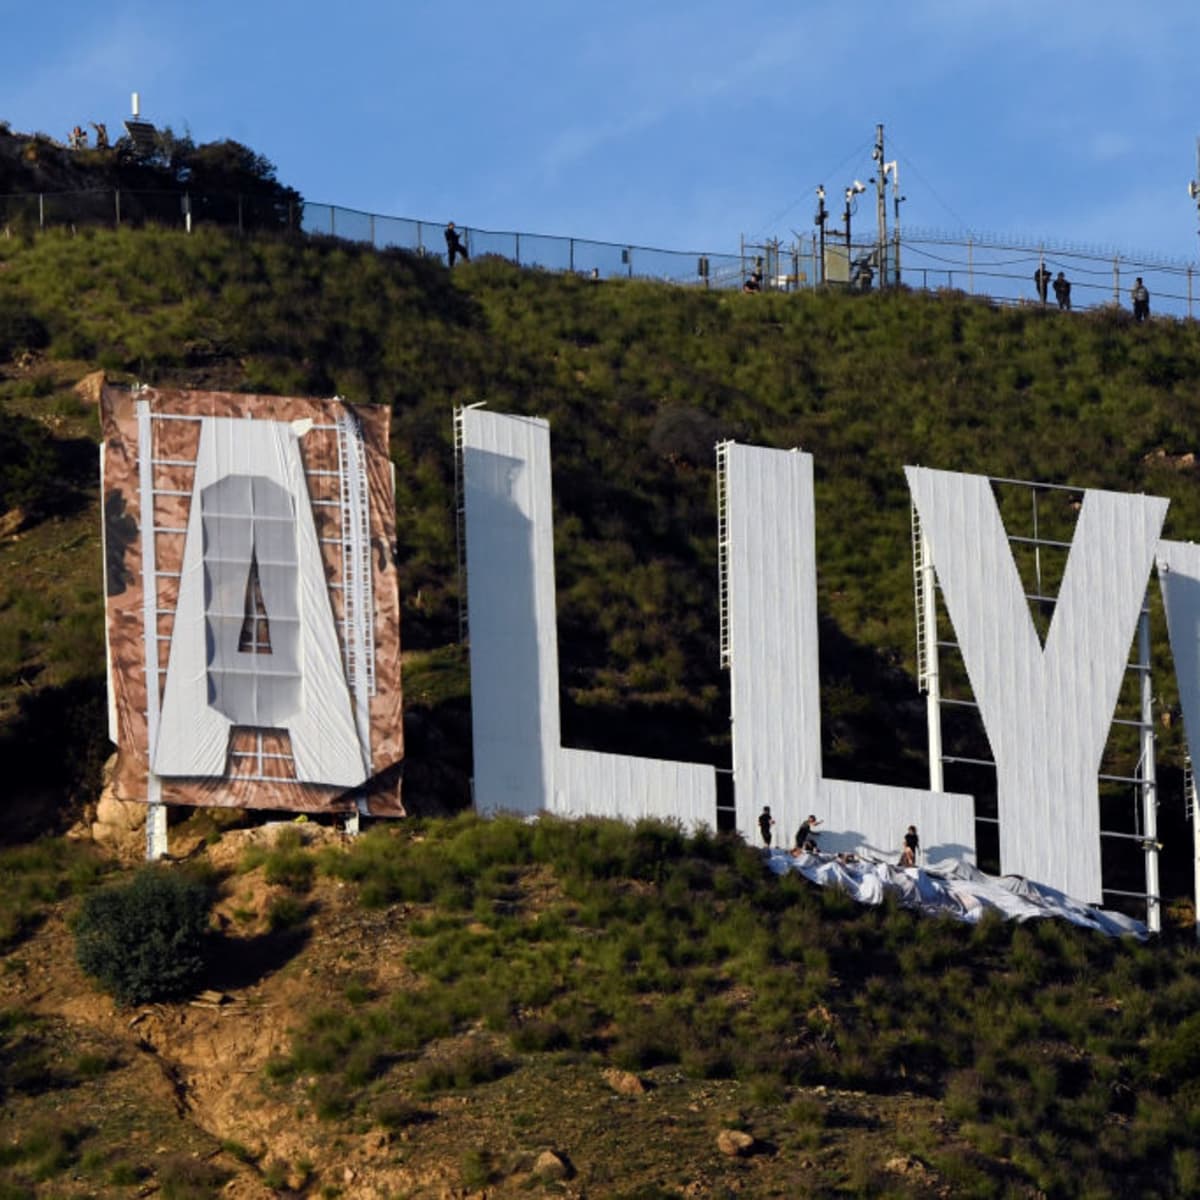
[(551, 1166), (624, 1083), (88, 389), (735, 1143)]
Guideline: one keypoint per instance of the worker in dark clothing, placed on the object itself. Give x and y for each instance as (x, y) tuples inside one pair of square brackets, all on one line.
[(912, 847), (1062, 291), (1141, 300), (765, 822), (1041, 279), (455, 246), (806, 836)]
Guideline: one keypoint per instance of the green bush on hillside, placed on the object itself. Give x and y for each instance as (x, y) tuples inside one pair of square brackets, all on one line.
[(145, 940)]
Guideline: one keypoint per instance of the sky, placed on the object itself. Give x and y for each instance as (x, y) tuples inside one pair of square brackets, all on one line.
[(682, 125)]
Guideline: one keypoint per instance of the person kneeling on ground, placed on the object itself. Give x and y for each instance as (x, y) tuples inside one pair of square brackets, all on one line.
[(806, 837)]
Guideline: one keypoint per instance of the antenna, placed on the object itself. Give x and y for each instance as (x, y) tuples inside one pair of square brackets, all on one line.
[(142, 134), (1194, 185), (880, 182)]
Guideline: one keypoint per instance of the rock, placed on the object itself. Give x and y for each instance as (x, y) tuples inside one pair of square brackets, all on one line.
[(89, 387), (624, 1083), (902, 1164), (735, 1143), (119, 824), (551, 1166), (12, 521), (376, 1142)]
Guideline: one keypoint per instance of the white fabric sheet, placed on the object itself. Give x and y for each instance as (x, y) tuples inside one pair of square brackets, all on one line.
[(953, 889)]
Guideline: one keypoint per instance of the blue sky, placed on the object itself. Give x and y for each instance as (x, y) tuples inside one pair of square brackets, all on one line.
[(681, 125)]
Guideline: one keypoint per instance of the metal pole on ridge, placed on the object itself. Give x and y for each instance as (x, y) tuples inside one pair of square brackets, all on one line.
[(880, 204)]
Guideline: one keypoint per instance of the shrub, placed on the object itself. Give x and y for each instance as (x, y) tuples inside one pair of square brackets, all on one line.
[(145, 940)]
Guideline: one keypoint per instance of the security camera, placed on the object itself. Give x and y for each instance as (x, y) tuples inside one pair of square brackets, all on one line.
[(1193, 189), (859, 186)]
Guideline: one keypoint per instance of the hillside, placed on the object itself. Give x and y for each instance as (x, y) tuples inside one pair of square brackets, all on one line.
[(434, 1007), (470, 1009), (638, 381)]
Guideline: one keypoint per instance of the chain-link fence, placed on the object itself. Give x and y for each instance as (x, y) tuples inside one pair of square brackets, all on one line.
[(997, 267)]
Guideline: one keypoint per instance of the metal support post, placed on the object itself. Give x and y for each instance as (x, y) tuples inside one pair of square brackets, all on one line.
[(156, 812), (881, 203), (1116, 279), (41, 211), (1189, 794), (117, 205), (156, 822), (971, 265), (933, 686), (1149, 776)]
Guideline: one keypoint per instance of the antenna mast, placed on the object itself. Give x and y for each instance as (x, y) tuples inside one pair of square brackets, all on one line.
[(1194, 186), (881, 203)]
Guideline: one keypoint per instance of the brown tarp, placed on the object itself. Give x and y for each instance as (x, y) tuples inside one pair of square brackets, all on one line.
[(258, 765)]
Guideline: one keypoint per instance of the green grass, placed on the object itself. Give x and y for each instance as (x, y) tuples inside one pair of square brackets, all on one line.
[(1057, 1051), (38, 876), (638, 380)]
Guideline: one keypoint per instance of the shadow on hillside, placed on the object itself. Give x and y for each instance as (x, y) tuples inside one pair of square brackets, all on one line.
[(437, 758), (52, 753), (241, 962)]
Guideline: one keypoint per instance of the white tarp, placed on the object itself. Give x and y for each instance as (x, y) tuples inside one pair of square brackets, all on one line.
[(775, 690), (253, 507), (1047, 710), (521, 765), (952, 889)]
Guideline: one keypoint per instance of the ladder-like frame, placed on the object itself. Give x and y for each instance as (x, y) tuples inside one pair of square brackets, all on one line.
[(726, 642)]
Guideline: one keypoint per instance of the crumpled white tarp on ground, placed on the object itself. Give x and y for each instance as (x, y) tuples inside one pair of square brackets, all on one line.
[(952, 888)]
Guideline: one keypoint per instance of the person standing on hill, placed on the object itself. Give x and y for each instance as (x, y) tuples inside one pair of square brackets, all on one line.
[(1041, 279), (1062, 291), (1141, 300), (455, 246), (765, 821)]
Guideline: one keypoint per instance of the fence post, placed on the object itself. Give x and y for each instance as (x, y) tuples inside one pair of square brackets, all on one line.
[(971, 265), (420, 246), (571, 254), (117, 205), (1189, 292), (240, 229), (41, 211), (332, 210), (372, 229), (517, 243), (1116, 279)]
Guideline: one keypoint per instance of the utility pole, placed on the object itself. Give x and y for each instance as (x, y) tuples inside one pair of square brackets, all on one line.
[(821, 217), (880, 182), (1194, 186)]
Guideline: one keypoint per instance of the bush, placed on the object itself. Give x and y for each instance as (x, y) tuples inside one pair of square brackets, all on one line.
[(145, 940)]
